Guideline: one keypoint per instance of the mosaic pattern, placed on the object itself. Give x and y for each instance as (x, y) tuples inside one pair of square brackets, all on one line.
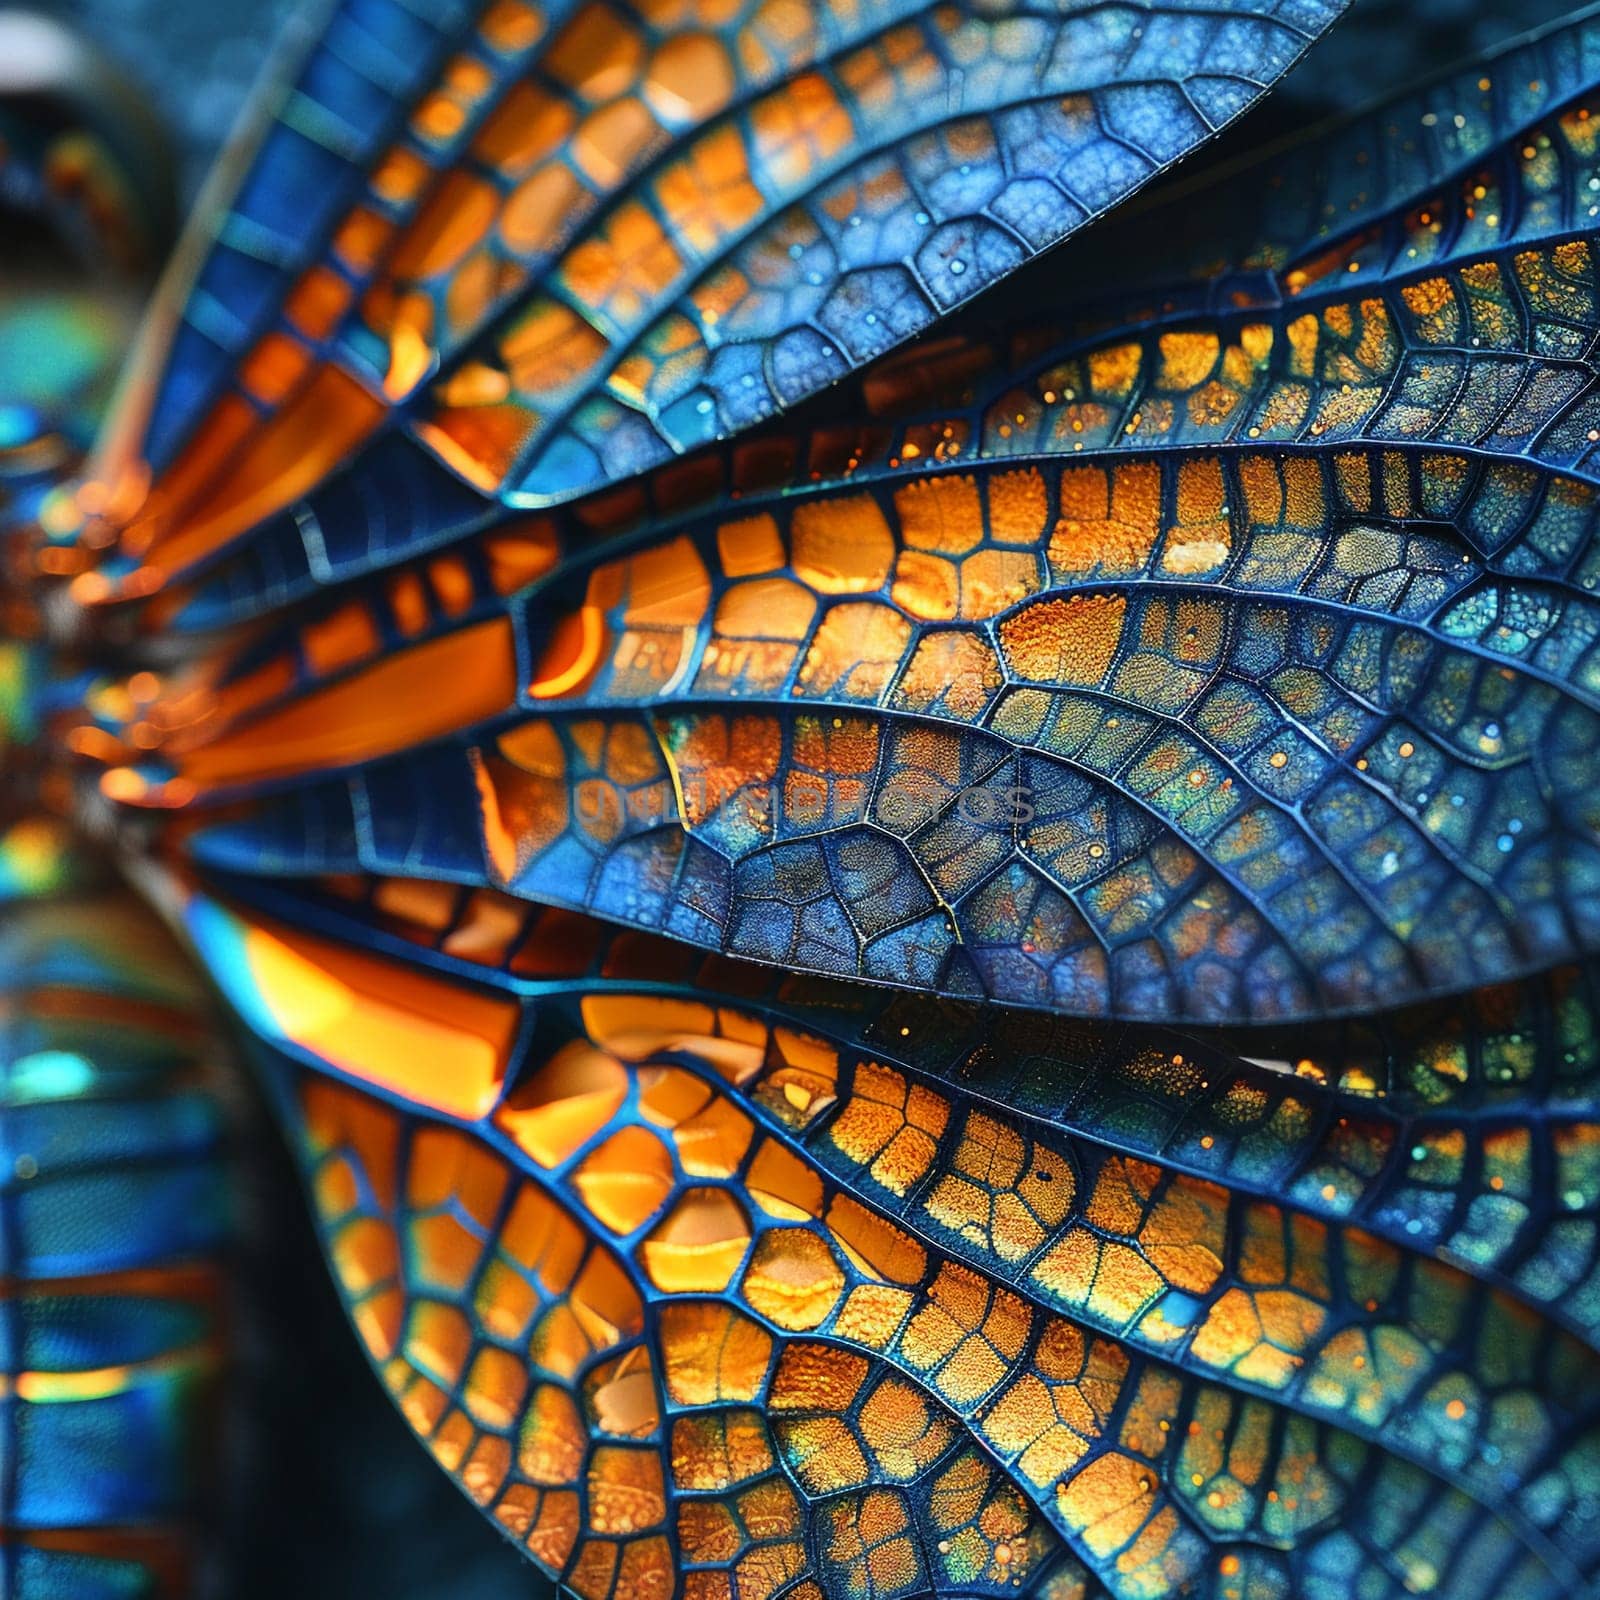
[(548, 247), (984, 985), (1019, 732), (978, 685), (703, 1280)]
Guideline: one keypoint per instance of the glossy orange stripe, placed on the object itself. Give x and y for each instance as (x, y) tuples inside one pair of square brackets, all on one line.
[(186, 1281), (419, 694), (240, 478), (429, 1040)]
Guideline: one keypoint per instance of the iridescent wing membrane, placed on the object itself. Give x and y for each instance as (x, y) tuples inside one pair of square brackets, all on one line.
[(545, 248), (1232, 663), (117, 1161), (706, 1281), (535, 843)]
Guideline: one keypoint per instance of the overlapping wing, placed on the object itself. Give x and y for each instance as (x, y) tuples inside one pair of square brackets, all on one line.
[(1236, 665), (505, 251), (1219, 659), (119, 1171), (116, 1166)]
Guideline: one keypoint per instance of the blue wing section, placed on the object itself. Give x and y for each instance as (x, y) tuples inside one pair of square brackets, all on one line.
[(529, 251)]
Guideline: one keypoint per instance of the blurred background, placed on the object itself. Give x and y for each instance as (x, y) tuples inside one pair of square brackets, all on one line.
[(342, 1501)]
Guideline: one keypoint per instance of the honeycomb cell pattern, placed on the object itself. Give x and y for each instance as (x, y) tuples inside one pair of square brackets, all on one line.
[(988, 689), (911, 949), (745, 1282), (550, 245)]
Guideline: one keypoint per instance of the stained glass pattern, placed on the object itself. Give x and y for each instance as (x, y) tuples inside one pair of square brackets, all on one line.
[(979, 982), (985, 687), (548, 247), (682, 1266)]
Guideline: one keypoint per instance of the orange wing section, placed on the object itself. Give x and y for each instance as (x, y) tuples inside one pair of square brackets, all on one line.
[(726, 1294)]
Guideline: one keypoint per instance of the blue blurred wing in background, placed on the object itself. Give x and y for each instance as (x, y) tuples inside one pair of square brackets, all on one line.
[(119, 1221)]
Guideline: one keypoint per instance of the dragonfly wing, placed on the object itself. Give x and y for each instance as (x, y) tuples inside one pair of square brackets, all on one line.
[(802, 982), (704, 1279), (507, 252), (1234, 662)]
